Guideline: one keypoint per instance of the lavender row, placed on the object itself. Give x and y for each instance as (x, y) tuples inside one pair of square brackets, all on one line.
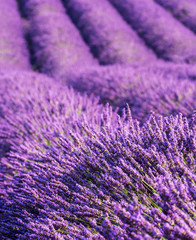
[(110, 38), (103, 180), (169, 38), (159, 89), (56, 44), (185, 11), (34, 96), (179, 71), (13, 49)]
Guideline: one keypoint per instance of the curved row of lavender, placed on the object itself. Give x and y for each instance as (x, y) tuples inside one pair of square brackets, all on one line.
[(13, 49), (185, 11), (110, 38), (92, 176), (145, 89), (170, 39), (56, 44), (32, 95)]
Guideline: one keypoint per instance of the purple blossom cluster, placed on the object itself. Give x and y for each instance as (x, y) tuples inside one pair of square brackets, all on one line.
[(163, 90), (13, 49), (185, 11), (170, 39), (101, 177), (56, 44), (110, 38)]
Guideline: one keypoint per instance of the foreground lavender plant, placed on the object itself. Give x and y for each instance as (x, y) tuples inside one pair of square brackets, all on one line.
[(164, 90), (169, 38), (185, 11), (110, 38), (108, 182), (13, 49), (56, 44)]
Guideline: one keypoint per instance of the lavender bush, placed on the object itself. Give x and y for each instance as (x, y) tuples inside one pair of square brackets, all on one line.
[(185, 11), (13, 49), (162, 90), (110, 38), (56, 44), (115, 181), (169, 38)]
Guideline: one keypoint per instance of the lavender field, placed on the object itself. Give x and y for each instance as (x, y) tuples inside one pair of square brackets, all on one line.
[(97, 119)]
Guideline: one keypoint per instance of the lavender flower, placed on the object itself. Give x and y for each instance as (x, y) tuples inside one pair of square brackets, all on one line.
[(185, 11), (170, 39), (110, 38), (13, 49)]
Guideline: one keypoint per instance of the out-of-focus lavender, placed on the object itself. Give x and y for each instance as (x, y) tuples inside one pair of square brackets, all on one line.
[(56, 44), (13, 49), (185, 11), (179, 71), (163, 90), (113, 182), (110, 38), (170, 39)]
